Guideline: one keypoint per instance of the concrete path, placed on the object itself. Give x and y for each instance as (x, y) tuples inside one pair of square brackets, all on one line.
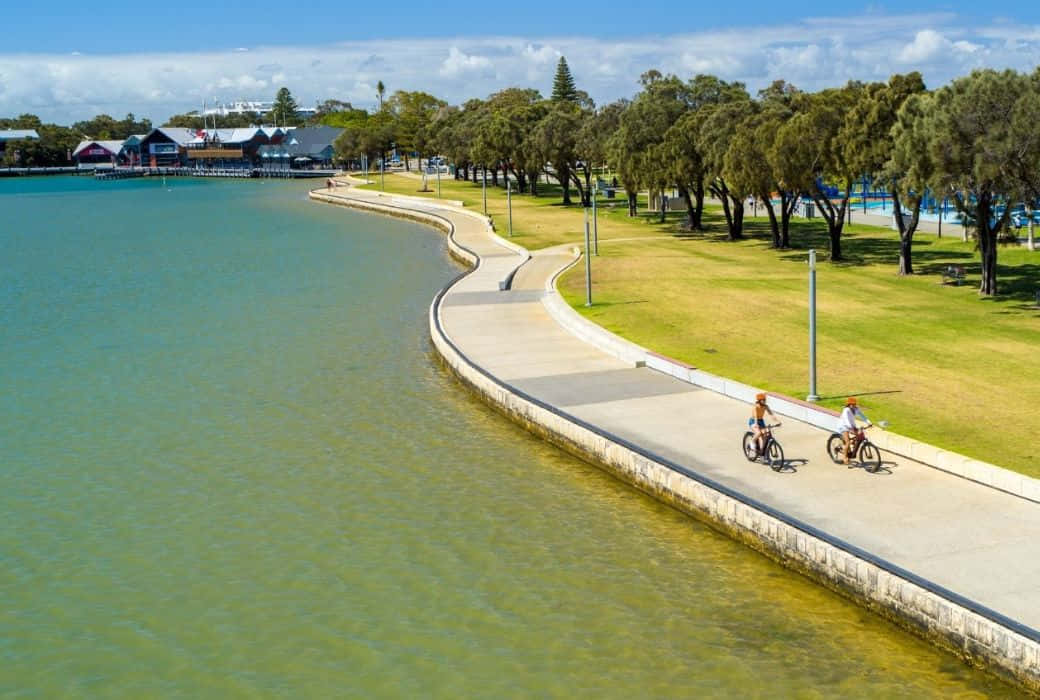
[(976, 541)]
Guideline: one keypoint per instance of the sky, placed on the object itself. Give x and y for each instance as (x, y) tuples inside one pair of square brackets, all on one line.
[(66, 61)]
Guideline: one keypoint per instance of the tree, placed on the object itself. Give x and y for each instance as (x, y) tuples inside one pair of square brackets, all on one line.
[(972, 138), (284, 111), (556, 142), (413, 112), (634, 148), (564, 89), (747, 167), (868, 141), (808, 155), (718, 127), (380, 91), (1024, 164)]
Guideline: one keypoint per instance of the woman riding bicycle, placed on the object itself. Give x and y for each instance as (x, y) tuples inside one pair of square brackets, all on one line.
[(757, 421), (847, 423)]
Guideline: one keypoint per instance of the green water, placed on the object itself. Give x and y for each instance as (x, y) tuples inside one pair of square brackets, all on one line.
[(230, 465)]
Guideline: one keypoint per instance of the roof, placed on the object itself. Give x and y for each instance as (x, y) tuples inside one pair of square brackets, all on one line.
[(113, 147), (13, 134), (312, 139), (178, 135), (233, 135)]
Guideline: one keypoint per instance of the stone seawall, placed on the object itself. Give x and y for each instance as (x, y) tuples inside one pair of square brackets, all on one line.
[(976, 634)]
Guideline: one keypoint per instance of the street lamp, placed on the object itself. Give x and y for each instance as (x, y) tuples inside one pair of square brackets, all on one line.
[(595, 228), (813, 396), (588, 263)]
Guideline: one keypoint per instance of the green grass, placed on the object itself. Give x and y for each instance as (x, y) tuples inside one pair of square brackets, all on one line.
[(942, 364)]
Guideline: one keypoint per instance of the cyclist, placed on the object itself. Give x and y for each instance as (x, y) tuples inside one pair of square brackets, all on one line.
[(847, 423), (757, 421)]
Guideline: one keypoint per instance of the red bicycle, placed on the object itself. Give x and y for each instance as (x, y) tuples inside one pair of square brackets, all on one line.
[(861, 449)]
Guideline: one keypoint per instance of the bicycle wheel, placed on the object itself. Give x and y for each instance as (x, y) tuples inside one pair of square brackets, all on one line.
[(836, 448), (869, 457), (750, 449), (775, 455)]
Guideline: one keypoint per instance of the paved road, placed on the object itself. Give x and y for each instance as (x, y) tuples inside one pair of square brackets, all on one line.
[(974, 540)]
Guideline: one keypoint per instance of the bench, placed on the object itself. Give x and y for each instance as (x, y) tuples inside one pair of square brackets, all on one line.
[(953, 274)]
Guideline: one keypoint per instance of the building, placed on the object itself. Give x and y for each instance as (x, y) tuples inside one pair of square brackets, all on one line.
[(260, 107), (227, 148), (166, 146), (16, 135), (95, 154), (312, 145)]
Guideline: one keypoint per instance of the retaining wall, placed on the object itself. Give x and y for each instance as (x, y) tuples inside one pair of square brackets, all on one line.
[(981, 636)]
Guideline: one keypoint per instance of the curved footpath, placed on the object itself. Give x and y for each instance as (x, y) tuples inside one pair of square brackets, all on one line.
[(948, 557)]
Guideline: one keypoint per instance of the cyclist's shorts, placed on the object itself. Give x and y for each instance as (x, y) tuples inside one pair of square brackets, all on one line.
[(760, 421)]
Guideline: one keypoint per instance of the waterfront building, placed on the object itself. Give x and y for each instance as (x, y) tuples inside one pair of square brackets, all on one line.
[(98, 154), (313, 145), (226, 148), (166, 146), (16, 135)]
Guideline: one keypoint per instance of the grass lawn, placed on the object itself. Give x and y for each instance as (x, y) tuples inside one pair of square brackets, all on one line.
[(943, 365)]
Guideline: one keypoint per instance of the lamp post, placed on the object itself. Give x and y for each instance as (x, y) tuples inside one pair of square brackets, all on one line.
[(813, 396), (595, 220), (509, 203), (588, 263)]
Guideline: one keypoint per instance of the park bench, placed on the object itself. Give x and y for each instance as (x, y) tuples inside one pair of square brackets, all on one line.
[(953, 274)]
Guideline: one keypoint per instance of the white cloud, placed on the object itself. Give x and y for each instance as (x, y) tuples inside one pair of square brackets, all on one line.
[(458, 63), (812, 53)]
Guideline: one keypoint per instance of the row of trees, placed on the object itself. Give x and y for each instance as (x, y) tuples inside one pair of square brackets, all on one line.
[(971, 142)]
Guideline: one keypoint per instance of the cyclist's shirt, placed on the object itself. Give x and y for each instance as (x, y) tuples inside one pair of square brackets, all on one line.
[(848, 418)]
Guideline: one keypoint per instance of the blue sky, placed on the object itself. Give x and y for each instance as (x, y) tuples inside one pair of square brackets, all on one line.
[(69, 60)]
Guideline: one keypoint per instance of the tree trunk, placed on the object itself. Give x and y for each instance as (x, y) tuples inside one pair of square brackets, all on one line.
[(631, 201), (736, 232), (835, 218), (988, 232), (532, 177), (563, 176), (906, 231), (698, 196), (521, 180), (774, 225), (494, 176), (691, 214)]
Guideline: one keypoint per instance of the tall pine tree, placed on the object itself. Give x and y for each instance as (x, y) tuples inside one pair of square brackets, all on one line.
[(563, 84)]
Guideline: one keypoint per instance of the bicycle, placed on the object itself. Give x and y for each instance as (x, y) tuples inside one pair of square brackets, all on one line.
[(860, 449), (773, 452)]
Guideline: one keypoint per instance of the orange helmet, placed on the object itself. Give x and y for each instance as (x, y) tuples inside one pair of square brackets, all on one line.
[(851, 401), (760, 397)]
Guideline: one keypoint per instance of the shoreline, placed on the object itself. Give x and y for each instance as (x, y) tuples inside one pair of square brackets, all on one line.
[(950, 620)]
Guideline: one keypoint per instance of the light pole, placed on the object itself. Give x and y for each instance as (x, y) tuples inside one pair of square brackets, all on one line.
[(509, 203), (813, 396), (483, 169), (588, 263), (595, 228)]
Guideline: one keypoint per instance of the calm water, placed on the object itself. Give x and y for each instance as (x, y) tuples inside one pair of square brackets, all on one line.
[(230, 465)]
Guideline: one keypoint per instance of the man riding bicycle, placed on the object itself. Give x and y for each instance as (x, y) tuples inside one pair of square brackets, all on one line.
[(847, 423), (757, 421)]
